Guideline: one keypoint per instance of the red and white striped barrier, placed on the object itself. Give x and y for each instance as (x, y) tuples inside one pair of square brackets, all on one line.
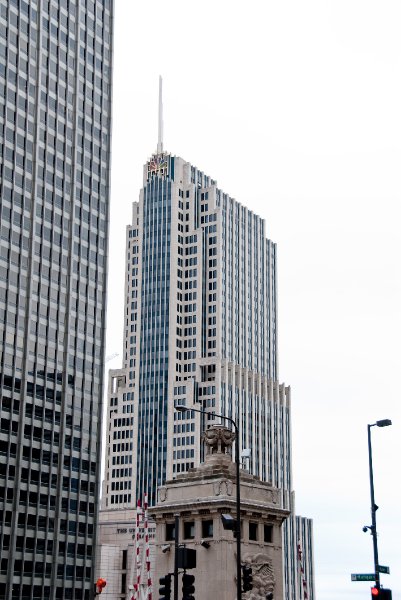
[(301, 569), (142, 590)]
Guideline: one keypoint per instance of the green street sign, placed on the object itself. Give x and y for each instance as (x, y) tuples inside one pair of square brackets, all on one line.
[(363, 577), (384, 569)]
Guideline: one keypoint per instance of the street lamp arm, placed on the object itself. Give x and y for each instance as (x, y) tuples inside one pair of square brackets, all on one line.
[(182, 408)]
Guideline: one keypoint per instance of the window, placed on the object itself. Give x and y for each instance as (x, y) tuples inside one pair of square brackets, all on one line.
[(207, 528), (268, 533), (253, 531), (170, 532), (189, 530)]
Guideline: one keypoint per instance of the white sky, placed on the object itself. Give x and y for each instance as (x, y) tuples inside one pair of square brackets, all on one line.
[(295, 108)]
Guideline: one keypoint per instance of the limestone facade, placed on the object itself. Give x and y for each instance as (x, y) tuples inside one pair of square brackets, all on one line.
[(200, 497), (116, 554)]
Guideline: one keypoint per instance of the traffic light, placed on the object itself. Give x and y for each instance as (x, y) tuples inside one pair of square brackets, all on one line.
[(186, 558), (100, 584), (381, 594), (188, 587), (165, 590), (246, 578)]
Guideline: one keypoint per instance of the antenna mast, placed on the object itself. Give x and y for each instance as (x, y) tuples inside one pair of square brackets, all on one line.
[(160, 129)]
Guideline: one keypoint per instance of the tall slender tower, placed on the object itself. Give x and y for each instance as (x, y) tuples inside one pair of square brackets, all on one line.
[(55, 117), (200, 328)]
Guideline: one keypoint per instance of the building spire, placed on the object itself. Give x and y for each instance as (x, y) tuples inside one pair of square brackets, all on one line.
[(160, 128)]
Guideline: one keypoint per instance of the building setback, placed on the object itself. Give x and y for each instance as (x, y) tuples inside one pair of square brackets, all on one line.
[(200, 328), (55, 118)]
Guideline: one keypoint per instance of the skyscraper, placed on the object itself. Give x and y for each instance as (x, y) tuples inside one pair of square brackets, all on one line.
[(200, 327), (55, 116)]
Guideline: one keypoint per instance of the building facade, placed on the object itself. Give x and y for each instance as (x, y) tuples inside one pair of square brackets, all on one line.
[(55, 123), (121, 552), (200, 328), (199, 498)]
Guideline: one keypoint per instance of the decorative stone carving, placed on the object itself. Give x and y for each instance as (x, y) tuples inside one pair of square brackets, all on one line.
[(223, 487), (218, 439), (263, 579), (162, 494), (217, 488)]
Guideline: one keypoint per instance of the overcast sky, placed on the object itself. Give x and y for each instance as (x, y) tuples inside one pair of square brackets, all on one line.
[(294, 107)]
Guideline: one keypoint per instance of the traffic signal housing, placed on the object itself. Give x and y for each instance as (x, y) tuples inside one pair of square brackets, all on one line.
[(186, 558), (100, 585), (188, 587), (247, 578), (165, 590), (381, 594)]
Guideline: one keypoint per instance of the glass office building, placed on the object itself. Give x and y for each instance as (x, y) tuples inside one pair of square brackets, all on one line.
[(55, 118)]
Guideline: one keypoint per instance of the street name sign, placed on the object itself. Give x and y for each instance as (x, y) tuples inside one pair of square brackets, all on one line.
[(383, 569), (363, 577)]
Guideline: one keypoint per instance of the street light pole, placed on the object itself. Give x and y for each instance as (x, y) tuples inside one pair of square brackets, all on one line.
[(176, 546), (373, 509), (238, 488), (373, 506)]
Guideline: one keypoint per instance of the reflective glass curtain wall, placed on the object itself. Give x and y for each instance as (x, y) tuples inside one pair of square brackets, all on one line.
[(154, 364), (55, 117)]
